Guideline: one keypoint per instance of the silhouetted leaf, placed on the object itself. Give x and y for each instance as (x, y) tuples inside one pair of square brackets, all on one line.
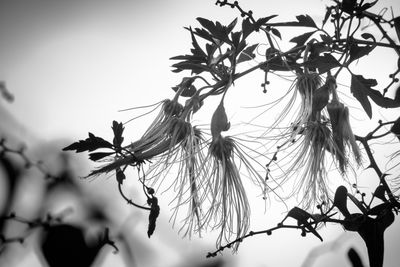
[(380, 193), (120, 175), (303, 218), (302, 21), (99, 155), (367, 36), (349, 6), (207, 24), (196, 51), (262, 21), (89, 144), (247, 54), (235, 37), (188, 90), (301, 39), (367, 6), (118, 129), (247, 27), (360, 88), (327, 15), (154, 212), (276, 33), (340, 200), (357, 51), (323, 63), (326, 38)]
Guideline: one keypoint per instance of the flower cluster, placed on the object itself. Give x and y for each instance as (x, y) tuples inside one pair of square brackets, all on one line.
[(314, 134)]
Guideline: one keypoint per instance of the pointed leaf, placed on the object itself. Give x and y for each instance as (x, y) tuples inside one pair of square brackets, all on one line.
[(357, 51), (301, 39), (276, 33), (207, 24), (118, 129), (367, 6), (349, 6), (89, 144), (247, 27), (247, 54), (327, 15), (359, 89), (302, 21), (95, 156), (340, 200), (261, 21), (302, 218), (197, 51), (323, 63), (154, 212), (306, 21)]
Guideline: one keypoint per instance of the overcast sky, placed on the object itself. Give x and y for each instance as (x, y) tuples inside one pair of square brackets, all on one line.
[(71, 65)]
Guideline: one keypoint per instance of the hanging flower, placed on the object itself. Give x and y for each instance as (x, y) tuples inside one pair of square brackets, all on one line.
[(161, 138), (342, 133), (309, 141), (307, 165), (228, 208)]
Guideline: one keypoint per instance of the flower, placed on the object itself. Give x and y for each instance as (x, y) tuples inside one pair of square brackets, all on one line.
[(342, 134), (307, 166), (163, 135), (225, 198), (307, 142), (229, 208)]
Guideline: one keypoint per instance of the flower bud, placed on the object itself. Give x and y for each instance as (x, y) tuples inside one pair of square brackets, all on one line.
[(219, 121)]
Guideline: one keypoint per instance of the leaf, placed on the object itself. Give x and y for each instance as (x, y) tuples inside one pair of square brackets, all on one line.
[(302, 21), (380, 193), (154, 212), (326, 38), (207, 24), (197, 51), (261, 21), (301, 39), (276, 33), (357, 51), (188, 90), (120, 175), (247, 54), (95, 156), (118, 129), (306, 21), (340, 200), (323, 63), (359, 89), (367, 36), (367, 6), (327, 15), (349, 6), (89, 144), (247, 27), (302, 218)]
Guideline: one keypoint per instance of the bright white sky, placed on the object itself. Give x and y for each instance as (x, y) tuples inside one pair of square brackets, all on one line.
[(72, 65)]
